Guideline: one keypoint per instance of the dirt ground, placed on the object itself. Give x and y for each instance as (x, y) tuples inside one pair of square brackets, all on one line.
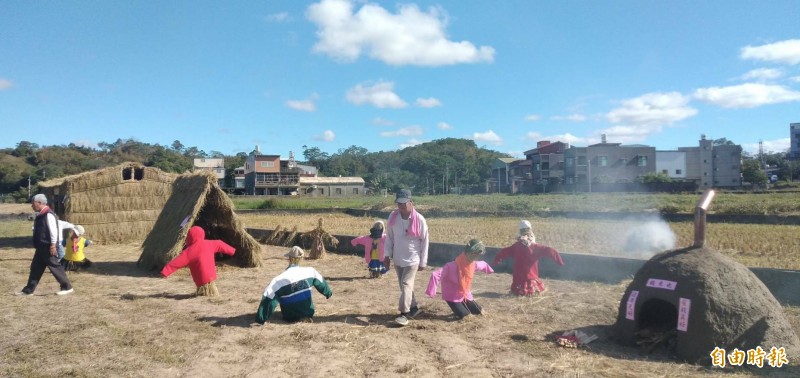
[(122, 321)]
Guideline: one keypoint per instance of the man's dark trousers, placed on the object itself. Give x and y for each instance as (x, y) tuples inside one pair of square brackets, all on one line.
[(41, 260)]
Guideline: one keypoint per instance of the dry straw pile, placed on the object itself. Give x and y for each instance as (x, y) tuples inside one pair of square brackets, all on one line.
[(117, 204), (197, 200)]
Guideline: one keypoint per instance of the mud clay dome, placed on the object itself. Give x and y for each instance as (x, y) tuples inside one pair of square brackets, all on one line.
[(724, 305)]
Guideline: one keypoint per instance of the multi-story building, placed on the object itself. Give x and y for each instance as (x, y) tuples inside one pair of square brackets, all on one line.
[(500, 181), (547, 165), (607, 163), (216, 165), (713, 166), (794, 138), (269, 175)]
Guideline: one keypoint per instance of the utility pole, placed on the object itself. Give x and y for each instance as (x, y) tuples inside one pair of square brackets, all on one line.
[(29, 186)]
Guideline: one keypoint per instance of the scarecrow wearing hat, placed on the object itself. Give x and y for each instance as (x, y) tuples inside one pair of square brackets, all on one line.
[(199, 256), (373, 249), (526, 254), (455, 279), (292, 290), (74, 257)]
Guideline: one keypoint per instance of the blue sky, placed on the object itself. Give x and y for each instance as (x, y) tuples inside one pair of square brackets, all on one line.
[(227, 76)]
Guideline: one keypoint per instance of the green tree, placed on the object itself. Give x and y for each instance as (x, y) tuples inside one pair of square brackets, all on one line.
[(752, 173)]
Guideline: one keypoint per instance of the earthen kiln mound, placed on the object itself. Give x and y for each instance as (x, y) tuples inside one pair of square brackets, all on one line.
[(709, 300)]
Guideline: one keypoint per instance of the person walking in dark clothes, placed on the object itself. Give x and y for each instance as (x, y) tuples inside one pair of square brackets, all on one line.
[(46, 235)]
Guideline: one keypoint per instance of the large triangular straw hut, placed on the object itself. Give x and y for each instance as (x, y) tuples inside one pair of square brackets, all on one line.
[(197, 200), (117, 204)]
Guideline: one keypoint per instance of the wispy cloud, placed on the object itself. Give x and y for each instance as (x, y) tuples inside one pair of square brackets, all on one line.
[(382, 122), (488, 137), (380, 95), (327, 136), (308, 105), (571, 118), (408, 37), (749, 95), (85, 143), (5, 84), (410, 143), (444, 126), (796, 79), (762, 74), (278, 17), (405, 131), (786, 52), (532, 135), (428, 102), (532, 117)]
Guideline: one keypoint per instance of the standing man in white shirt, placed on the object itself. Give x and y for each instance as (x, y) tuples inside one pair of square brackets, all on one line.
[(407, 245)]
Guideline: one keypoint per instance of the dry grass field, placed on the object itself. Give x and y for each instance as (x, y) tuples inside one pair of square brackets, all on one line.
[(754, 245), (123, 321)]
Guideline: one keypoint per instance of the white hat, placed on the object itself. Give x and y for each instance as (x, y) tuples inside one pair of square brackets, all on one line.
[(524, 224), (78, 230), (295, 253)]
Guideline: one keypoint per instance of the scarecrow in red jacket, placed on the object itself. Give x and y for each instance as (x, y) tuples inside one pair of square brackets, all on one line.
[(526, 254), (199, 256)]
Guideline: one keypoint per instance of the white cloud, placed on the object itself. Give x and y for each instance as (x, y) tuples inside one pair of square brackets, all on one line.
[(796, 79), (652, 109), (5, 84), (410, 36), (405, 131), (749, 95), (277, 17), (571, 118), (327, 136), (532, 135), (444, 126), (380, 95), (778, 145), (532, 117), (488, 137), (410, 143), (308, 105), (626, 134), (786, 52), (382, 122), (762, 74), (85, 143), (569, 138), (428, 102)]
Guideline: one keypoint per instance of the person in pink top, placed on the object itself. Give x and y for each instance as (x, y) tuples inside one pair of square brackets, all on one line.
[(455, 279), (526, 254), (199, 256), (373, 249)]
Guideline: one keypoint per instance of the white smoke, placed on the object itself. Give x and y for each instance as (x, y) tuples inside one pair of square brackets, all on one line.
[(650, 237)]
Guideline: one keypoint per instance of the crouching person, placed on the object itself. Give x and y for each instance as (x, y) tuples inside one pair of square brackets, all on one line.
[(75, 258), (455, 279), (292, 290)]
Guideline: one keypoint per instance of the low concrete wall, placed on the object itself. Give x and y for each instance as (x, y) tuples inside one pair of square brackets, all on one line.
[(782, 283)]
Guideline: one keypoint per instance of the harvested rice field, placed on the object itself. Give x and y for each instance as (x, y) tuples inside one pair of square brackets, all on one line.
[(123, 321)]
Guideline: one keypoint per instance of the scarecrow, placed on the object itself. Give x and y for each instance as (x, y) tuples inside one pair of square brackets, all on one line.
[(526, 254), (199, 256), (373, 249), (455, 279)]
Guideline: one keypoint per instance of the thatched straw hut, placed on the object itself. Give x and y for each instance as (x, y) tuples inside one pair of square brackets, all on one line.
[(117, 204), (197, 200)]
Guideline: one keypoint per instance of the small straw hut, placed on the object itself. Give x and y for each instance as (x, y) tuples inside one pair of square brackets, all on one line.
[(117, 204), (197, 200)]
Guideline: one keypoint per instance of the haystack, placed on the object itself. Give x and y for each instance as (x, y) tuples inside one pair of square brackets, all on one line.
[(197, 200), (117, 204)]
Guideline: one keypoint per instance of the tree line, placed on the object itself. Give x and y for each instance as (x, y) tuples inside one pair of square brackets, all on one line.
[(441, 166)]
